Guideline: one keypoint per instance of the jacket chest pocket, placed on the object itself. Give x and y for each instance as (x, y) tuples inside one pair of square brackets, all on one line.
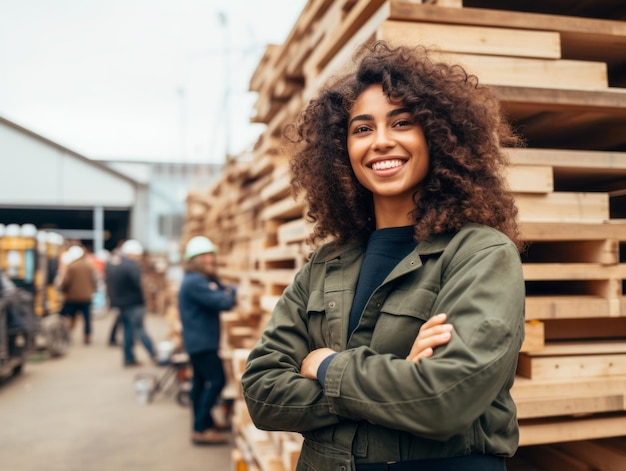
[(400, 318), (318, 326)]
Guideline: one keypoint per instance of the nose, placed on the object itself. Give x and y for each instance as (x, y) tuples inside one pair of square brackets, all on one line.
[(382, 139)]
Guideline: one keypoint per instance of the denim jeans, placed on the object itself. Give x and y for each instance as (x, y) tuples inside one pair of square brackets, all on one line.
[(207, 384), (117, 322), (132, 320)]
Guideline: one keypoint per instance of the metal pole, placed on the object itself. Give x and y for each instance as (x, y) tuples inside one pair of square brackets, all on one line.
[(98, 229)]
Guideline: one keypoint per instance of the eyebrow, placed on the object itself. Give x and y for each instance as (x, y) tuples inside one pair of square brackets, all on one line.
[(369, 117)]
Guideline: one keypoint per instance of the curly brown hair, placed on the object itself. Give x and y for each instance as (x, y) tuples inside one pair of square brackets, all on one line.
[(464, 128)]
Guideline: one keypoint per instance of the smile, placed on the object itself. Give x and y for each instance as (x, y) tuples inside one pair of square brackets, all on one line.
[(387, 164)]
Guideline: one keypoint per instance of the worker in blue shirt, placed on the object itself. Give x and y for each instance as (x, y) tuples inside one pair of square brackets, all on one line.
[(201, 298)]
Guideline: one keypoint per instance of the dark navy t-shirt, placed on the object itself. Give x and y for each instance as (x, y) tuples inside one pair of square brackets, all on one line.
[(385, 248)]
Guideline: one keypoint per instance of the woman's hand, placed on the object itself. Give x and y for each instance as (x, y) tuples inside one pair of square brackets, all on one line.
[(433, 333), (312, 362)]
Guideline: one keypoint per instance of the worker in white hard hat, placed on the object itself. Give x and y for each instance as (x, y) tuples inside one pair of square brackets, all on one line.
[(201, 298), (123, 280), (77, 282)]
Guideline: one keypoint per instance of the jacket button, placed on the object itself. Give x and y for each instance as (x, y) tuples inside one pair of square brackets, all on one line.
[(343, 468), (332, 304)]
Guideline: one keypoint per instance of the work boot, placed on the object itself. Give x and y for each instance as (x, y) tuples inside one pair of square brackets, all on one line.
[(222, 427), (209, 437), (87, 339)]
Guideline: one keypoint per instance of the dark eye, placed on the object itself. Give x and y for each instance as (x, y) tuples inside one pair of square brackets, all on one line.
[(403, 122), (360, 129)]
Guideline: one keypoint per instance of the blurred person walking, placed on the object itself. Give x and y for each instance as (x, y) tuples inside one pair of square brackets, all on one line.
[(201, 298), (123, 279), (116, 321), (78, 283)]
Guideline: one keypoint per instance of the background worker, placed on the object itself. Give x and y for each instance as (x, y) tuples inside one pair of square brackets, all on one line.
[(78, 282), (202, 297), (115, 325), (123, 279)]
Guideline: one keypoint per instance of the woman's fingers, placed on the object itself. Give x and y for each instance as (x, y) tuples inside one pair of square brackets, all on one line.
[(312, 362), (433, 333), (437, 319), (424, 346)]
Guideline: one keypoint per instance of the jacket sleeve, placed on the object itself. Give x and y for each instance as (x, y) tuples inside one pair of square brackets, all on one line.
[(210, 295), (65, 280), (95, 277), (482, 291), (277, 395)]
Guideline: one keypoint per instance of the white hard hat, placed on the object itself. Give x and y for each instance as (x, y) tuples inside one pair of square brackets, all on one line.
[(12, 230), (76, 252), (132, 247), (28, 230), (72, 254), (198, 245), (55, 238)]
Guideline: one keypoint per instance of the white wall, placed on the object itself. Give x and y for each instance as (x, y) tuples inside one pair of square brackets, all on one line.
[(33, 172)]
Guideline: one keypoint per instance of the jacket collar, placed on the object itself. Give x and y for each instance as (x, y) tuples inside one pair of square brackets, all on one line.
[(431, 245)]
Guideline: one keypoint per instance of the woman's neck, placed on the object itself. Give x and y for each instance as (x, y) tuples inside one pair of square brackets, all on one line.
[(389, 213)]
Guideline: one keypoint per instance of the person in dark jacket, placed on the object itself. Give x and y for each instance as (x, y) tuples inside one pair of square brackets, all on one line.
[(117, 322), (123, 280), (201, 298)]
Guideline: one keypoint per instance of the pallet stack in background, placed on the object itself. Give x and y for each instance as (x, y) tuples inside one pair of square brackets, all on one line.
[(559, 68)]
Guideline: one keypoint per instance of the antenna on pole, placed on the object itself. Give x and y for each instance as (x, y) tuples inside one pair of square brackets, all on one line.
[(223, 19), (183, 122)]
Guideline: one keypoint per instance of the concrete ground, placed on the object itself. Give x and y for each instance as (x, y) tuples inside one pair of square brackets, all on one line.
[(81, 413)]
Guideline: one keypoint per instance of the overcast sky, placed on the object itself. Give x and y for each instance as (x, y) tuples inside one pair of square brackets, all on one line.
[(138, 79)]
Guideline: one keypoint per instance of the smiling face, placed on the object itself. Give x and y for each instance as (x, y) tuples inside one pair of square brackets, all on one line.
[(388, 153)]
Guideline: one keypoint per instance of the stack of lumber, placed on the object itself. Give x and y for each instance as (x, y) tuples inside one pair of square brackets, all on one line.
[(559, 68), (158, 292)]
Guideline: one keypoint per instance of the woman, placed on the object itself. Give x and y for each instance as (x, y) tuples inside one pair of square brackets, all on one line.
[(396, 345)]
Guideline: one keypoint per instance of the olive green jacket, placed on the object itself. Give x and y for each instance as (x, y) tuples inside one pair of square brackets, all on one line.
[(376, 405)]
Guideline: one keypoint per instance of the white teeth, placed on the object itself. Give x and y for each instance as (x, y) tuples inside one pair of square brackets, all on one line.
[(385, 164)]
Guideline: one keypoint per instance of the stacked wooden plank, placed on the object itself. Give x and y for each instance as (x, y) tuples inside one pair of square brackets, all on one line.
[(559, 68)]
